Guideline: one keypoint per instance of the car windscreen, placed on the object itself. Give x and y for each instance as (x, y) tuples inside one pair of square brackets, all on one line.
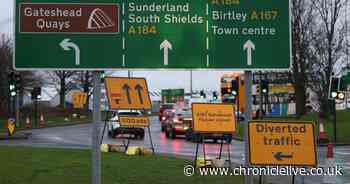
[(128, 114), (167, 106)]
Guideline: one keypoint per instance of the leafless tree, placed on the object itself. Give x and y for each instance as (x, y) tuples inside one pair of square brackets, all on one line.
[(6, 52), (303, 22), (328, 46), (63, 82)]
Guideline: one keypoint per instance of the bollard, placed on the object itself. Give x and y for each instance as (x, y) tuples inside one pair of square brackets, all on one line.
[(328, 179), (42, 121), (28, 123), (322, 138)]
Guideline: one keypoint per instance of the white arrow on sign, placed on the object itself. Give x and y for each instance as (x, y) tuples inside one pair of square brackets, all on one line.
[(66, 45), (166, 45), (249, 45)]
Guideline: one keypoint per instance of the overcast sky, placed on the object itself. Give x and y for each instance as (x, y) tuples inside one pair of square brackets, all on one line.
[(155, 79)]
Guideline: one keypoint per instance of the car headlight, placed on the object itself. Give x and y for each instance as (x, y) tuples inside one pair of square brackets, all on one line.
[(115, 125)]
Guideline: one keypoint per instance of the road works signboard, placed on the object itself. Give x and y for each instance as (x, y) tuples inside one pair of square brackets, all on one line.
[(170, 34), (282, 143), (127, 93), (213, 118), (11, 126), (79, 99), (133, 121)]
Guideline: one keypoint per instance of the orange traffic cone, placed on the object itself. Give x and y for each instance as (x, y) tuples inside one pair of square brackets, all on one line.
[(322, 137), (42, 121), (330, 163), (28, 123)]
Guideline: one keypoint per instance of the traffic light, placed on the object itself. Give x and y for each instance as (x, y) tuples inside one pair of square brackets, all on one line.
[(202, 94), (12, 83), (336, 89), (340, 95), (264, 87), (18, 81), (235, 86), (333, 88), (215, 95), (102, 76), (36, 93), (225, 91)]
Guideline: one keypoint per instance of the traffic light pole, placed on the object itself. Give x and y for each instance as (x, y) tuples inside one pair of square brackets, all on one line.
[(248, 82), (334, 121), (96, 154), (260, 98), (36, 112), (237, 98)]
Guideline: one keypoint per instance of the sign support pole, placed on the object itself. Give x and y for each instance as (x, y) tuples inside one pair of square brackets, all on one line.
[(191, 84), (198, 138), (96, 154), (248, 93), (150, 138), (17, 110), (104, 126)]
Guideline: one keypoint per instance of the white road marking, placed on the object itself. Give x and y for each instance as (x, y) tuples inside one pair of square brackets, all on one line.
[(342, 153)]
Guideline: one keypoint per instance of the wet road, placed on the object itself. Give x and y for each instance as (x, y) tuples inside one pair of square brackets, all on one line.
[(79, 136)]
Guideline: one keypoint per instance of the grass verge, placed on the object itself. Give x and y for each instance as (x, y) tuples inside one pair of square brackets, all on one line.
[(56, 166)]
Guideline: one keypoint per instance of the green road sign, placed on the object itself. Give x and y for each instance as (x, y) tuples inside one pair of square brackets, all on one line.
[(140, 34)]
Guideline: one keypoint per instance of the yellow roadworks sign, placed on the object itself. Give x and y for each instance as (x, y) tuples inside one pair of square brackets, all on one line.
[(79, 100), (127, 93), (213, 118), (141, 121), (11, 126), (282, 143)]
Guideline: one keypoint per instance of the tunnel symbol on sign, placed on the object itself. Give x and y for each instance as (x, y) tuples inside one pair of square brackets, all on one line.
[(99, 20)]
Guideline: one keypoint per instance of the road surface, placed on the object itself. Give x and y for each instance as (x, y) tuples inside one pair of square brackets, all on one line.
[(79, 137)]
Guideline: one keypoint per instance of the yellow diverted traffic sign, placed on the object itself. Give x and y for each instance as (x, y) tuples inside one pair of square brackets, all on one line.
[(79, 100), (213, 118), (134, 121), (127, 93), (282, 143)]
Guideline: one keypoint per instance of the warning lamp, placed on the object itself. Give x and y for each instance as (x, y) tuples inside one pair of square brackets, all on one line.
[(340, 95), (234, 93), (334, 94)]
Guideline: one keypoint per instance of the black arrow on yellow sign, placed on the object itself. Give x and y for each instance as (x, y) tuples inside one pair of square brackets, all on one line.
[(139, 89), (280, 156), (126, 88)]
